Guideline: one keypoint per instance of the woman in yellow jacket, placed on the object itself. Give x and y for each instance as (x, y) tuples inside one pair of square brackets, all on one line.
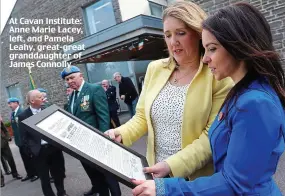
[(179, 101)]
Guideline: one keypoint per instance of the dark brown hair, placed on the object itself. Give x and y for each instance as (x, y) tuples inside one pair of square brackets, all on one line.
[(244, 32)]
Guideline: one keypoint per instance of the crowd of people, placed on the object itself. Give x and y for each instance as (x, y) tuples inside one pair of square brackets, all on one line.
[(94, 104), (213, 111)]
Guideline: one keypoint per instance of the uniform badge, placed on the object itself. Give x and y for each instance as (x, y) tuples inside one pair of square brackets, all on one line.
[(85, 103)]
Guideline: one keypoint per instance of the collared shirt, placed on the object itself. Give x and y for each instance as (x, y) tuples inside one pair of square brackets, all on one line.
[(73, 98), (14, 113), (16, 110), (35, 111)]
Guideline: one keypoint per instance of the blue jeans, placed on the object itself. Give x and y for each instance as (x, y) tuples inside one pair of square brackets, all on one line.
[(132, 107)]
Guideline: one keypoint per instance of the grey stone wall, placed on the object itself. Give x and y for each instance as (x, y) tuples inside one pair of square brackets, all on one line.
[(273, 10), (48, 78)]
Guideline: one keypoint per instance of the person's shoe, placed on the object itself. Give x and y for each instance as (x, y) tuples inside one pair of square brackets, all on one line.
[(34, 178), (17, 176), (26, 178), (2, 182), (89, 193), (8, 173)]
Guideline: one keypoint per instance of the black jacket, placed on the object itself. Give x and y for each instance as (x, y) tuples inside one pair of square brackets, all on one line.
[(111, 97), (31, 139), (127, 88), (4, 136)]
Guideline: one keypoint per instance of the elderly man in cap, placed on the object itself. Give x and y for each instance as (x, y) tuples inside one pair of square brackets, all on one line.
[(46, 156), (13, 103), (127, 91), (112, 102), (88, 102)]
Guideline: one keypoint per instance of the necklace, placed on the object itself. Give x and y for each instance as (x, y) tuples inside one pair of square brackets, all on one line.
[(176, 80)]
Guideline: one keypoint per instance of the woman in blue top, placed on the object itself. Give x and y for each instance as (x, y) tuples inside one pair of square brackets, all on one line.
[(247, 137)]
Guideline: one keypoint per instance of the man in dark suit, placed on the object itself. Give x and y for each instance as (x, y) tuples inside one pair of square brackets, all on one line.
[(45, 105), (6, 151), (127, 92), (45, 155), (112, 102), (13, 103), (88, 102)]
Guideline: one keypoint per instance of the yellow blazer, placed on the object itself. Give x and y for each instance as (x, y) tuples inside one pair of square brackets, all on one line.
[(204, 97)]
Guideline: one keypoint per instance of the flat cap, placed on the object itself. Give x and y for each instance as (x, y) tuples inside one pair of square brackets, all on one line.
[(69, 70), (13, 99)]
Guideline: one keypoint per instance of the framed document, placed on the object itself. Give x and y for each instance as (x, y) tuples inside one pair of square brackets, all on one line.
[(88, 144)]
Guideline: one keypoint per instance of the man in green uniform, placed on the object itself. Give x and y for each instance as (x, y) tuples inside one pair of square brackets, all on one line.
[(88, 102), (13, 103)]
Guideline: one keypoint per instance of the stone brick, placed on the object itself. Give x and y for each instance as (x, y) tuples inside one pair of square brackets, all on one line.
[(234, 1), (281, 30), (277, 45), (221, 1), (256, 3), (277, 37), (279, 11), (275, 24), (207, 5), (268, 6), (267, 14), (117, 11)]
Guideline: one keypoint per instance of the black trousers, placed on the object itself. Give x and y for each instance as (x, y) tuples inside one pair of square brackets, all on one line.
[(49, 160), (102, 182), (114, 117), (5, 164), (7, 154), (2, 177), (28, 162)]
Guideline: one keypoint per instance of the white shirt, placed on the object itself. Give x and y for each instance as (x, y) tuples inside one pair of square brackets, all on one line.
[(16, 110), (35, 111), (79, 90), (167, 115)]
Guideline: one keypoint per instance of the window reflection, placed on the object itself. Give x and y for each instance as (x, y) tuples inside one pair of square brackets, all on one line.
[(100, 16)]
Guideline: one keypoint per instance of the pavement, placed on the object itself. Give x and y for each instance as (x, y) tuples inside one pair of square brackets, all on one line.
[(77, 181)]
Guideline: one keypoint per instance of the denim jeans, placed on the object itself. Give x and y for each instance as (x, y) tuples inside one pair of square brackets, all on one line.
[(132, 107)]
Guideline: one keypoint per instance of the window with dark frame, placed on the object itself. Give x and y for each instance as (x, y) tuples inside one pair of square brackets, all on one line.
[(15, 91), (99, 16), (156, 9)]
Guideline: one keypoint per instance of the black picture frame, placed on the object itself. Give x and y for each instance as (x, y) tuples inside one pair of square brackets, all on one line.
[(34, 120)]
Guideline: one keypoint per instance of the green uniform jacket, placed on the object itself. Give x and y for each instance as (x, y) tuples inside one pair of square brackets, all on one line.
[(91, 106), (15, 127)]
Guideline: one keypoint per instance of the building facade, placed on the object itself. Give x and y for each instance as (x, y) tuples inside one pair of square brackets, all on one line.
[(119, 35)]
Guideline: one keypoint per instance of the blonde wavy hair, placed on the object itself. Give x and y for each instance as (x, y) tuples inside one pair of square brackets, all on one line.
[(189, 13)]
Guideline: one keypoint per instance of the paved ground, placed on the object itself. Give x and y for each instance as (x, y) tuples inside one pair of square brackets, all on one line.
[(77, 181)]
